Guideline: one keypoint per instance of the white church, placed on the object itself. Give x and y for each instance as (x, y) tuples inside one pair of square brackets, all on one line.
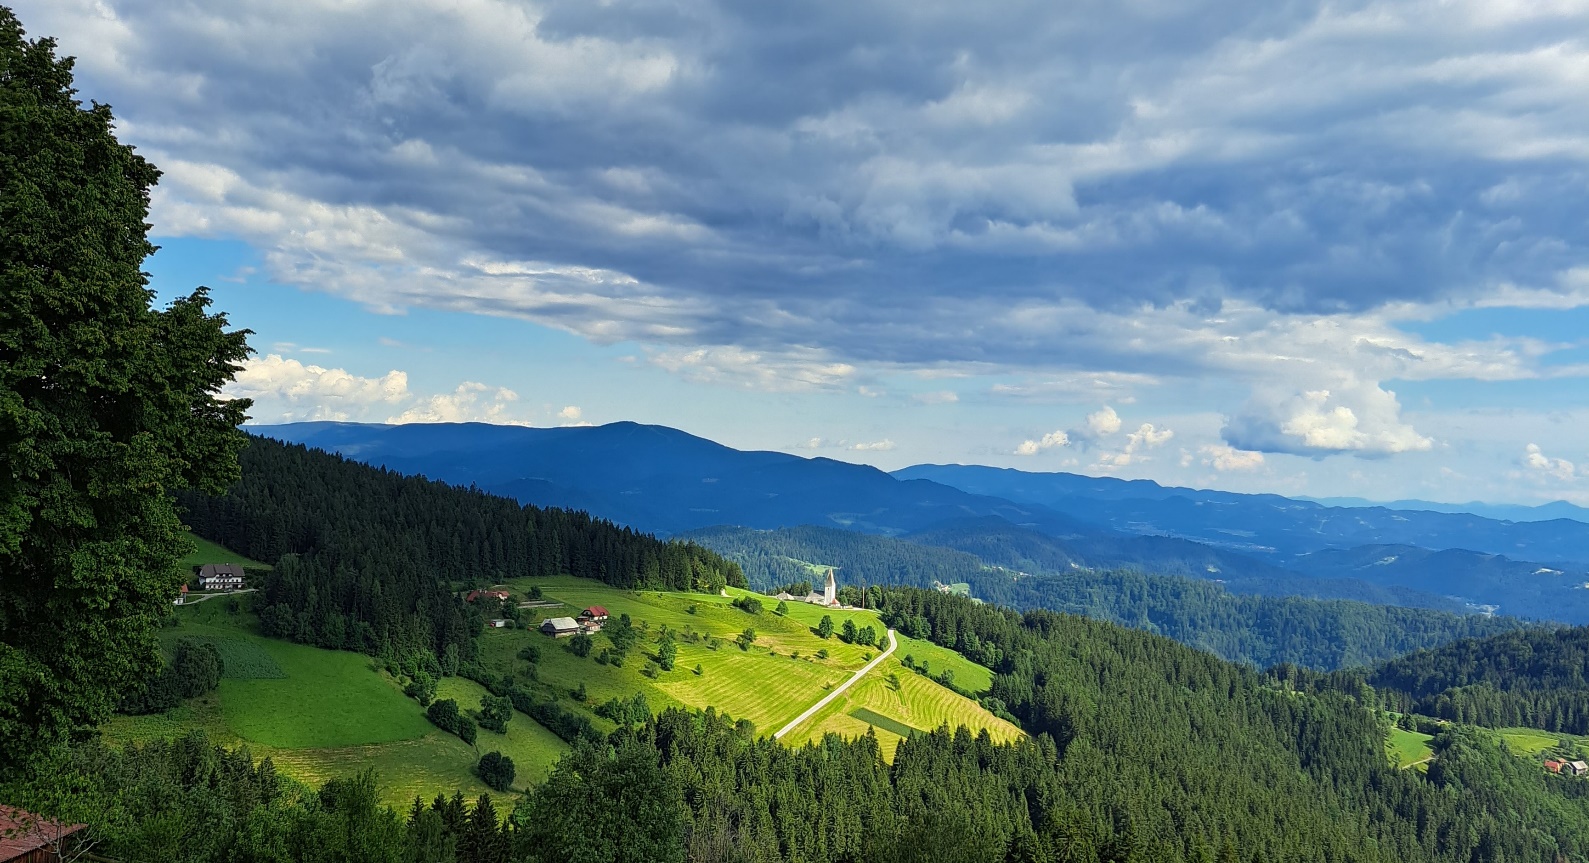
[(828, 597)]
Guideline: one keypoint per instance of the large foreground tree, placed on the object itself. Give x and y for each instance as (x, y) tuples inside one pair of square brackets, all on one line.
[(106, 405)]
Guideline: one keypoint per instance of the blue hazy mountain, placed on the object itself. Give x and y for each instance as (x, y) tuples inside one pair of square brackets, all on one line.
[(657, 479), (663, 480), (1503, 511), (1262, 524)]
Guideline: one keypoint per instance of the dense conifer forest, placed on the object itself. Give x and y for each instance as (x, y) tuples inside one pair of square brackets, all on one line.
[(370, 560), (1537, 678), (1141, 749), (1258, 630)]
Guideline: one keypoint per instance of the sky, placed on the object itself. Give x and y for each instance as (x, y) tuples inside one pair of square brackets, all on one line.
[(1304, 248)]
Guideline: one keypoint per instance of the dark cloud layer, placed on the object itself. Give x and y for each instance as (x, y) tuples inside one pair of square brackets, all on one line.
[(1034, 187)]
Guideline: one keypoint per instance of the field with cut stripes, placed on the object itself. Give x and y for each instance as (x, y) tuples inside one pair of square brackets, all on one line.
[(320, 713)]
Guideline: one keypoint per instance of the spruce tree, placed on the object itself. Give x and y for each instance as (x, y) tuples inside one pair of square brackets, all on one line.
[(107, 405)]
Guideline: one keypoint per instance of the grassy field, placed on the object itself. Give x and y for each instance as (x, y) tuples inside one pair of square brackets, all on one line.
[(771, 683), (1529, 741), (902, 698), (1408, 748), (320, 713), (324, 713), (208, 552)]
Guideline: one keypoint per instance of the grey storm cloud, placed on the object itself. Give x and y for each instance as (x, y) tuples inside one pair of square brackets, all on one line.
[(875, 182)]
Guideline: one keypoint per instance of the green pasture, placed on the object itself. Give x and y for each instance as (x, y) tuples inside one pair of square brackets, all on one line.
[(1530, 741), (770, 684), (916, 703), (878, 720), (1408, 748), (967, 674), (205, 551), (325, 713), (321, 713)]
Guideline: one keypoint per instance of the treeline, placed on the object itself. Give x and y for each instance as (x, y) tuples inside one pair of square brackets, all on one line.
[(1537, 678), (1254, 629), (367, 559), (188, 801)]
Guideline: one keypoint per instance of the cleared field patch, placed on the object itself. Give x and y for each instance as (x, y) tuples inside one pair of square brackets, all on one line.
[(1408, 748), (327, 699), (205, 551), (917, 703), (967, 674), (766, 689), (243, 658), (1531, 741)]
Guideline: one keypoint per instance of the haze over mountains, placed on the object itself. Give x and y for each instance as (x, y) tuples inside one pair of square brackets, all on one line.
[(663, 480)]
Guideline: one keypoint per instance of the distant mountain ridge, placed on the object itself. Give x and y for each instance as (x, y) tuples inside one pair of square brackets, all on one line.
[(665, 481), (1500, 511), (1259, 523)]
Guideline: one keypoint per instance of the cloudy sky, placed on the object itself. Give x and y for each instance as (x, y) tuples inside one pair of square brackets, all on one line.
[(1325, 249)]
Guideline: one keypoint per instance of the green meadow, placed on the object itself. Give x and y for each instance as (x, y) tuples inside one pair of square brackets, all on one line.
[(205, 551), (323, 713), (1408, 748), (770, 684)]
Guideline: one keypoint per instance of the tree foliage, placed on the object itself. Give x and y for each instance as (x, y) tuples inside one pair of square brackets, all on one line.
[(106, 404), (1537, 678), (195, 669), (496, 771), (366, 559)]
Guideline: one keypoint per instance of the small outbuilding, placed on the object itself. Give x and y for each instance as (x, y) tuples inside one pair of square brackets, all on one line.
[(1575, 768), (594, 614), (1553, 765), (499, 623), (29, 838), (498, 595), (560, 627)]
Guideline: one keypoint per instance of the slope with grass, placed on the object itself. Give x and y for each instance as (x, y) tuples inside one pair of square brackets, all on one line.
[(320, 714), (1409, 748), (205, 551), (774, 681)]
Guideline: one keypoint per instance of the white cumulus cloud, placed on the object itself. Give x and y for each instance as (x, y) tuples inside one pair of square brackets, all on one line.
[(1222, 457), (470, 402), (1360, 418), (1046, 442), (1556, 468), (289, 390)]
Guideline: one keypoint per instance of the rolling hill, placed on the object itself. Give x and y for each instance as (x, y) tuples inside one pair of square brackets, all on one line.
[(666, 481), (321, 714)]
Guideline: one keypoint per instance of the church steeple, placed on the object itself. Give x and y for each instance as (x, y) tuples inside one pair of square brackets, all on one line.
[(830, 591)]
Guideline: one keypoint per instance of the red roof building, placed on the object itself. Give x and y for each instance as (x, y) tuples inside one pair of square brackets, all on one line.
[(1553, 765), (29, 838), (498, 595), (595, 613)]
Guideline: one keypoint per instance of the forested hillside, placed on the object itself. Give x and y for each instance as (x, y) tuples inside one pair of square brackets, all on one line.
[(772, 558), (1141, 750), (367, 559), (1000, 543), (1259, 630), (1537, 678)]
